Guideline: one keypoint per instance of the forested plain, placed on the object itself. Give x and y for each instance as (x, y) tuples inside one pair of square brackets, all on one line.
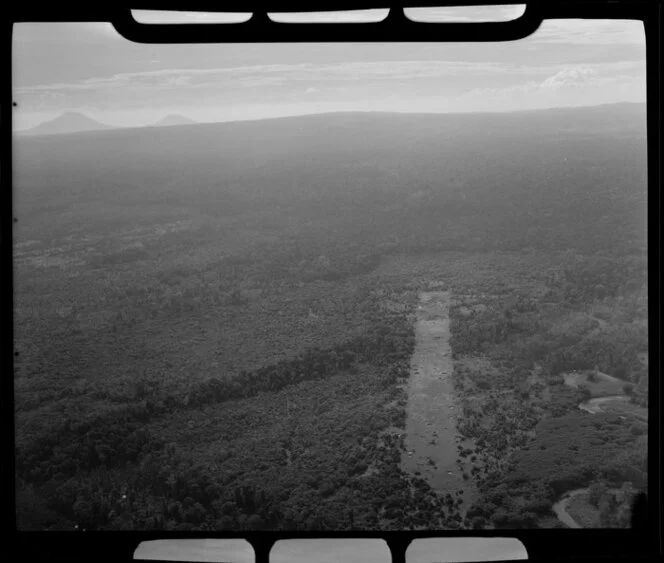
[(214, 323)]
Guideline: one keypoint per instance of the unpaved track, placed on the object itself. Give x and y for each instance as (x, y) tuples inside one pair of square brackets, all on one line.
[(560, 508), (594, 406), (431, 411)]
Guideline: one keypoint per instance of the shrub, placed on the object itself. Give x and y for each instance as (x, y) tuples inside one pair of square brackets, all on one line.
[(596, 492)]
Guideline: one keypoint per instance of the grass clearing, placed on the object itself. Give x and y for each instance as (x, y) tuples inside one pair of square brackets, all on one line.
[(624, 408), (600, 384), (583, 512)]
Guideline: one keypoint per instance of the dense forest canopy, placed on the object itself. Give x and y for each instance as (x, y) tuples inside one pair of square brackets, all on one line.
[(214, 323)]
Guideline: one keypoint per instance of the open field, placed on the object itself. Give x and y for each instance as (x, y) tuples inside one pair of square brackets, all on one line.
[(431, 436), (626, 409), (583, 512)]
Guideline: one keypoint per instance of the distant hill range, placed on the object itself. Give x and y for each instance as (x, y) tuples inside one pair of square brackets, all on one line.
[(174, 119), (68, 122), (75, 122)]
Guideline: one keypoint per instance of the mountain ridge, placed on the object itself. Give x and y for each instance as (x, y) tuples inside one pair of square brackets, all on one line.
[(174, 119), (67, 122), (75, 122)]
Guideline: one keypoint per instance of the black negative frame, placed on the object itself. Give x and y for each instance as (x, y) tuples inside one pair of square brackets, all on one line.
[(542, 545)]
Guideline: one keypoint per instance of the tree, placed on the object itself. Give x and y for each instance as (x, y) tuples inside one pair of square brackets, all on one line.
[(500, 517), (477, 523), (255, 522), (608, 508), (595, 493), (83, 512), (236, 297), (225, 523), (585, 392), (620, 372)]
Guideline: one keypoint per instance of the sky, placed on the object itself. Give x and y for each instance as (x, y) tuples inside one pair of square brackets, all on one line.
[(90, 68)]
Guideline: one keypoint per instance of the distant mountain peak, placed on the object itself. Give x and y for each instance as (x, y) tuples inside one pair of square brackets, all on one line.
[(68, 122), (174, 119)]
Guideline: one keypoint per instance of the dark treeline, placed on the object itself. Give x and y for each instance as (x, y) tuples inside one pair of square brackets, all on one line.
[(112, 472), (117, 437)]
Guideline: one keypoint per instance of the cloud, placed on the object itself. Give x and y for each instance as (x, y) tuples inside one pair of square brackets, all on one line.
[(256, 75), (242, 77), (572, 85), (387, 80), (576, 75), (178, 81), (249, 78)]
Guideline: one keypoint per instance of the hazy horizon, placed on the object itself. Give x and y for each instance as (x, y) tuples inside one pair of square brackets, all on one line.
[(321, 113), (565, 63)]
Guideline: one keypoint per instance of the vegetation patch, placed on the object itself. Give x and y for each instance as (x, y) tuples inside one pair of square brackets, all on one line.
[(583, 512), (214, 328), (599, 384)]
